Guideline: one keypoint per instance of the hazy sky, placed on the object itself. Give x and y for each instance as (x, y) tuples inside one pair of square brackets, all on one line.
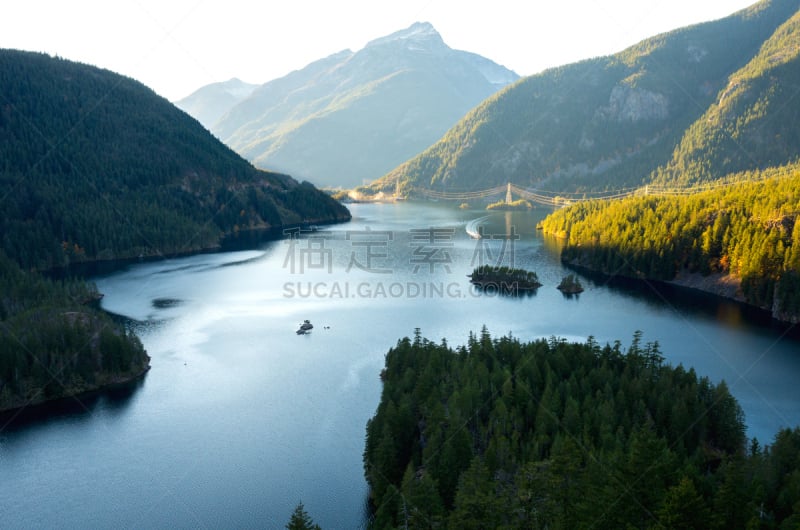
[(177, 46)]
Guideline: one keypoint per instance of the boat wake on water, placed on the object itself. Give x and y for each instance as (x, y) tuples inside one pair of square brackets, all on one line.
[(473, 227)]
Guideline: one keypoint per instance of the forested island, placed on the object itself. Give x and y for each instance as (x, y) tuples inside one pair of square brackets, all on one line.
[(741, 238), (570, 284), (504, 279), (519, 204), (551, 434)]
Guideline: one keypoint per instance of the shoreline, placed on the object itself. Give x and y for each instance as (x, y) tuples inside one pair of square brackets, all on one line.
[(242, 240), (723, 286), (44, 404), (245, 239)]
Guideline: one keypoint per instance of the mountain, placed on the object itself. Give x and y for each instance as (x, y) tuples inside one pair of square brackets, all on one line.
[(738, 239), (353, 116), (97, 166), (209, 103), (611, 121), (752, 123)]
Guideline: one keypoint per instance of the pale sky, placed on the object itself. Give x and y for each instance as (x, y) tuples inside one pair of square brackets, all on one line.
[(177, 46)]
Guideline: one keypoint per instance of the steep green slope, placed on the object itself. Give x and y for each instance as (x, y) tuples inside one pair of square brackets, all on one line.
[(743, 238), (97, 166), (753, 122), (601, 123)]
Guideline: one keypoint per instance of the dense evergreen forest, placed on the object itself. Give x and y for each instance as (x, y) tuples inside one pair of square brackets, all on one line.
[(504, 279), (54, 344), (551, 434), (745, 232)]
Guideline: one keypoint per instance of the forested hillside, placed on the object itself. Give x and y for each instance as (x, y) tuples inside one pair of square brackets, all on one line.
[(613, 121), (97, 166), (753, 122), (744, 233), (551, 434)]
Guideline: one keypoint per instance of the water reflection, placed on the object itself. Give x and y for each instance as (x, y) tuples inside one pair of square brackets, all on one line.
[(691, 303)]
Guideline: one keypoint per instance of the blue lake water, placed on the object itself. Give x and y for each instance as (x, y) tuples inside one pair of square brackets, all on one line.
[(240, 418)]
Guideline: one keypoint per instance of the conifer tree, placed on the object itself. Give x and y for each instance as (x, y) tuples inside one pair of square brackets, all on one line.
[(300, 520)]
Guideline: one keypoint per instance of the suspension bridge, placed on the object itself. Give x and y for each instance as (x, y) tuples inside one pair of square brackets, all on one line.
[(552, 198), (548, 197)]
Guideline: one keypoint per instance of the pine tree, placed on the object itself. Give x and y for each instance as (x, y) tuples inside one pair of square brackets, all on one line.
[(300, 520), (476, 503), (422, 506), (684, 508)]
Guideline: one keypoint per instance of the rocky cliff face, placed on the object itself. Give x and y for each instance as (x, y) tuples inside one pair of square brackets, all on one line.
[(626, 104), (778, 313)]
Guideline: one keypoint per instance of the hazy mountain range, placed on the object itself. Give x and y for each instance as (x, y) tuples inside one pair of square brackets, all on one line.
[(352, 116), (689, 105), (211, 102)]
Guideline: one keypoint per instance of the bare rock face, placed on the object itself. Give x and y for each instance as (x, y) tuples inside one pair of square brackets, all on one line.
[(696, 53), (778, 313), (628, 104)]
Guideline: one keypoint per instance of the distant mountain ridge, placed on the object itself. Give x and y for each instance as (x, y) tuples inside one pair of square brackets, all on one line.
[(352, 116), (209, 103), (625, 119)]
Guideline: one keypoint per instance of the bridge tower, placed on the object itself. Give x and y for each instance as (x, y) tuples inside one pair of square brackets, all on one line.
[(508, 194)]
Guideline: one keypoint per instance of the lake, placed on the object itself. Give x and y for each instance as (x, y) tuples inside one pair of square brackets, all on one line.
[(240, 418)]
